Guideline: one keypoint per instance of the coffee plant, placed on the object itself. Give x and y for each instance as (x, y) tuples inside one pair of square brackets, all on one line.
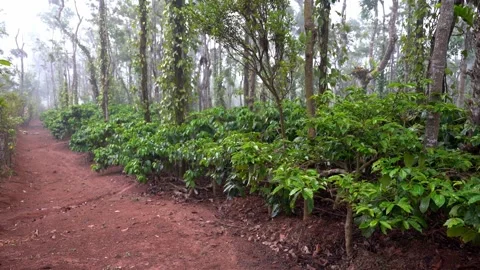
[(367, 153)]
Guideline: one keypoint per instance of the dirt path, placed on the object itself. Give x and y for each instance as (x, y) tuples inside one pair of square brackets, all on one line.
[(55, 213)]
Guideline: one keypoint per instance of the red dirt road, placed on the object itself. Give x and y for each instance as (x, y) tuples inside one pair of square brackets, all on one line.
[(55, 213)]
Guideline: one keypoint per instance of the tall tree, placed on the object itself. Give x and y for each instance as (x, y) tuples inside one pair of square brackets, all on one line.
[(142, 5), (463, 67), (74, 58), (324, 27), (437, 67), (364, 75), (180, 95), (474, 103), (272, 49), (206, 65), (104, 61), (310, 35), (177, 65), (20, 53)]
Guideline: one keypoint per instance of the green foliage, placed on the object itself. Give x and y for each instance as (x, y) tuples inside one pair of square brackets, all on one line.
[(466, 13), (390, 181), (63, 123), (11, 111), (11, 115), (4, 62)]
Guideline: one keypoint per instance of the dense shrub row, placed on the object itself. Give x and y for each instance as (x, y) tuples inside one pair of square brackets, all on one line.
[(11, 115), (367, 153)]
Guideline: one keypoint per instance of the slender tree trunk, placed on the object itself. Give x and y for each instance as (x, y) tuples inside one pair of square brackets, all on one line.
[(54, 89), (474, 103), (246, 85), (206, 65), (463, 69), (310, 35), (419, 73), (252, 88), (343, 35), (143, 60), (21, 54), (74, 59), (323, 45), (371, 49), (104, 63), (438, 63), (373, 37), (349, 232), (365, 76)]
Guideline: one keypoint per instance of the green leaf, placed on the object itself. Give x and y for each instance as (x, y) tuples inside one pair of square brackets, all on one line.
[(415, 225), (454, 210), (389, 208), (386, 225), (456, 231), (408, 159), (4, 62), (466, 13), (385, 180), (277, 189), (402, 174), (417, 190), (438, 199), (307, 193), (294, 191), (403, 203), (364, 209), (474, 199), (421, 161), (469, 235), (452, 222), (424, 204)]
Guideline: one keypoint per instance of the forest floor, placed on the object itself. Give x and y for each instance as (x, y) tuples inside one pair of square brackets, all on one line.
[(55, 213)]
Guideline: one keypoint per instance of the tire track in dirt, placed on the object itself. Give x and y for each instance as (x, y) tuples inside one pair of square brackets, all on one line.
[(55, 213)]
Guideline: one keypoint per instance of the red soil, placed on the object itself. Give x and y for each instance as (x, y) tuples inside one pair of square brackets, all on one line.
[(55, 213)]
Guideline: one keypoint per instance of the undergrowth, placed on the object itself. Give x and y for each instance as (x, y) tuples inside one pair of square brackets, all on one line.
[(367, 153)]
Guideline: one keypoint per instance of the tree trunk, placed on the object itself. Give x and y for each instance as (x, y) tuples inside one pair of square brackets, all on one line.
[(252, 88), (246, 85), (419, 72), (206, 65), (349, 232), (373, 37), (180, 95), (463, 69), (218, 88), (54, 89), (323, 45), (474, 103), (343, 35), (21, 54), (104, 63), (372, 45), (310, 35), (438, 63), (143, 60), (74, 59), (365, 76)]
